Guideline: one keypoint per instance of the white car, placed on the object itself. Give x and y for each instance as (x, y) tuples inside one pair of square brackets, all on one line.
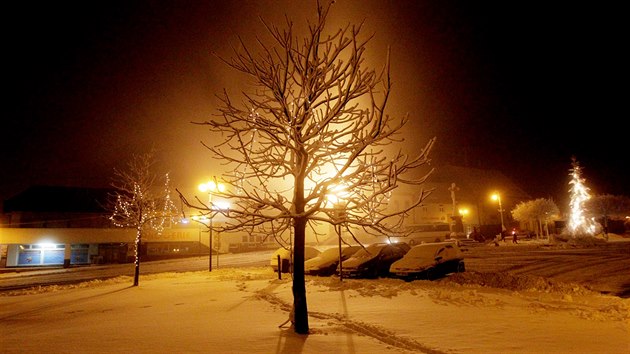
[(326, 262), (373, 261), (429, 261)]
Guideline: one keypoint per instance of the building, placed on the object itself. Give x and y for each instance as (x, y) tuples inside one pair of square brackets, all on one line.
[(461, 193), (53, 225)]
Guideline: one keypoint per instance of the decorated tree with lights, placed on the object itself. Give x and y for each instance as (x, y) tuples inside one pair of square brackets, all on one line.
[(314, 125), (136, 204), (579, 224)]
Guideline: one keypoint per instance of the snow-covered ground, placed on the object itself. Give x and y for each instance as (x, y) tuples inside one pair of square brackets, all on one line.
[(239, 310)]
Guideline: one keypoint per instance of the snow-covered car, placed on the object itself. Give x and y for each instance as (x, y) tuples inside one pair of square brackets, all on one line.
[(286, 259), (372, 261), (429, 261), (326, 262)]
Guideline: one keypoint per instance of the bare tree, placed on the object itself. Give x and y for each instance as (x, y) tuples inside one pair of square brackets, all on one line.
[(135, 204), (315, 126)]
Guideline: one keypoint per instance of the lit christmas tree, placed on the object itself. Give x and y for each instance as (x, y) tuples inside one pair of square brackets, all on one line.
[(579, 224)]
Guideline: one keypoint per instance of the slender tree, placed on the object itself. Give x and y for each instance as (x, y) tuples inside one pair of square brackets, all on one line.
[(135, 203), (314, 124)]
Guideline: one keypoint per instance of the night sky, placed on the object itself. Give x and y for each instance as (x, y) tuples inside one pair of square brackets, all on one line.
[(517, 86)]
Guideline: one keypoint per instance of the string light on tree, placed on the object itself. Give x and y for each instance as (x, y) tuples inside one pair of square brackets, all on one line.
[(137, 206), (579, 224)]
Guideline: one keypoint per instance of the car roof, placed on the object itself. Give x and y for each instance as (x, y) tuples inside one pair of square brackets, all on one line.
[(436, 244)]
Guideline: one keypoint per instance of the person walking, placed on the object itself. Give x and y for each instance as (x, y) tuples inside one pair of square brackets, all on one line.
[(477, 236)]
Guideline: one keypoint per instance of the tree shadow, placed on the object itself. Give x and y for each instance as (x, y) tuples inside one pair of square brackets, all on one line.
[(290, 342)]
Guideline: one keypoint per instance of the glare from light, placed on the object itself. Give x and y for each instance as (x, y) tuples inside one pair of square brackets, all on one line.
[(211, 186), (46, 245), (337, 194), (221, 205)]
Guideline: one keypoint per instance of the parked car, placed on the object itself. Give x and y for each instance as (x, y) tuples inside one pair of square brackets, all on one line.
[(372, 261), (465, 243), (286, 258), (429, 261), (326, 262)]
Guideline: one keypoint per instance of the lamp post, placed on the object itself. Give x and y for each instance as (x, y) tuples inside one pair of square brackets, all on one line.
[(210, 187), (340, 213), (497, 197)]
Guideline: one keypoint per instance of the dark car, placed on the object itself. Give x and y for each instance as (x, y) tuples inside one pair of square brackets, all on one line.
[(325, 263), (372, 261), (429, 261)]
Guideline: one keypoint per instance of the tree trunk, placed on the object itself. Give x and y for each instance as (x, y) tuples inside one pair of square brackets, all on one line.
[(299, 224), (299, 287), (136, 275)]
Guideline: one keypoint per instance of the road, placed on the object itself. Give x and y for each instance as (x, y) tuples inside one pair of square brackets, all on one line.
[(25, 279)]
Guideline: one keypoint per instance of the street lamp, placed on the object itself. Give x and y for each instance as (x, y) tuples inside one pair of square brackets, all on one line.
[(210, 187), (335, 198), (497, 197)]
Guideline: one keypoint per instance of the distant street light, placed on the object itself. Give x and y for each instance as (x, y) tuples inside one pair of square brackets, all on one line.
[(210, 187), (497, 197)]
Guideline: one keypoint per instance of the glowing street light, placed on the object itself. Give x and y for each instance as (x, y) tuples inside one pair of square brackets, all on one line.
[(497, 197), (211, 187)]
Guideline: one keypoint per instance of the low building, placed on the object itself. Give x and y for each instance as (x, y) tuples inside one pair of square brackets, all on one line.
[(53, 226)]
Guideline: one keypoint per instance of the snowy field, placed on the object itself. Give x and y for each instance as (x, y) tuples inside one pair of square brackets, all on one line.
[(239, 310)]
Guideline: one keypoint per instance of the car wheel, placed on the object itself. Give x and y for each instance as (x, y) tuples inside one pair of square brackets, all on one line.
[(430, 274), (373, 273), (331, 270), (461, 267)]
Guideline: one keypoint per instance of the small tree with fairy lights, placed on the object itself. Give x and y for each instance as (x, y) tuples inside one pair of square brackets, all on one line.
[(579, 224), (314, 125), (135, 203)]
